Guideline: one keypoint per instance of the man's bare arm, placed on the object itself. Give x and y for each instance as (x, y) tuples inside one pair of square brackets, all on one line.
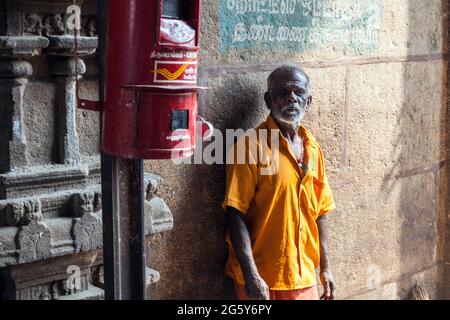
[(255, 286), (326, 277)]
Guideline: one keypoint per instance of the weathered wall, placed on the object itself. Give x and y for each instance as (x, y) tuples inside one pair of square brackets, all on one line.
[(40, 108), (380, 114)]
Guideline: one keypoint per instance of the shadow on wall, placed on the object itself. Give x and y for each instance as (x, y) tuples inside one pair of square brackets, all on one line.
[(418, 175), (442, 184), (236, 102), (423, 127), (191, 257)]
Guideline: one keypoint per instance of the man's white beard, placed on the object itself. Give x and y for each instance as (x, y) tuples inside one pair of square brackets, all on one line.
[(293, 122)]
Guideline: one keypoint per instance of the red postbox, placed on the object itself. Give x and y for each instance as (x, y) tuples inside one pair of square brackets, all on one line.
[(151, 94)]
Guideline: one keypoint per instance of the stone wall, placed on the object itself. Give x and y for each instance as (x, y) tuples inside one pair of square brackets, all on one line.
[(380, 114), (379, 75)]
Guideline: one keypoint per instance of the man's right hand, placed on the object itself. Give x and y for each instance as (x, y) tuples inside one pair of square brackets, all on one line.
[(256, 288)]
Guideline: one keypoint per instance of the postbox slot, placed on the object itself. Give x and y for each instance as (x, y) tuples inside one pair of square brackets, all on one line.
[(180, 119)]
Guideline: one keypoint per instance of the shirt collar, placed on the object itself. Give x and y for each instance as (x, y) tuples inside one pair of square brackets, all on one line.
[(302, 131)]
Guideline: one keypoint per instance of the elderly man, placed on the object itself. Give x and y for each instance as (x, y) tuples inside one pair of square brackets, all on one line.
[(277, 229)]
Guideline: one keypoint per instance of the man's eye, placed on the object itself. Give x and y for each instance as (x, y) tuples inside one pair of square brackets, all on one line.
[(299, 92)]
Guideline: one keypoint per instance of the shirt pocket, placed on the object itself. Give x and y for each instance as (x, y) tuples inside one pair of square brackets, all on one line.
[(316, 195), (319, 194)]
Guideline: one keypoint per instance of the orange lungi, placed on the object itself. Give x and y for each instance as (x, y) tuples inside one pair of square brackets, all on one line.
[(310, 293)]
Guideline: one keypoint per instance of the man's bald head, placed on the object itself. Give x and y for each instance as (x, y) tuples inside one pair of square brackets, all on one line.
[(284, 72), (288, 95)]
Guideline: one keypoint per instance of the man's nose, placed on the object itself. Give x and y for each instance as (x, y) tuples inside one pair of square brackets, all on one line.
[(292, 98)]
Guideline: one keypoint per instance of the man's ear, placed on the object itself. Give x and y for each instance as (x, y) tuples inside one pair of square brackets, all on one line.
[(308, 105), (268, 100)]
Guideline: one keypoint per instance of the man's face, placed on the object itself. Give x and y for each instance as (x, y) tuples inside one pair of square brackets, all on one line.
[(289, 98)]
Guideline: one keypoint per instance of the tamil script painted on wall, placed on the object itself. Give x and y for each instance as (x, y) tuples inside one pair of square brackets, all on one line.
[(300, 25)]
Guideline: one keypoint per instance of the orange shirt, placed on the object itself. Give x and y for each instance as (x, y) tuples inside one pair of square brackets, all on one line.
[(281, 208)]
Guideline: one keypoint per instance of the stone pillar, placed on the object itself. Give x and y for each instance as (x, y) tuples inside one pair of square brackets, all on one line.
[(13, 80), (66, 66), (14, 72), (65, 70)]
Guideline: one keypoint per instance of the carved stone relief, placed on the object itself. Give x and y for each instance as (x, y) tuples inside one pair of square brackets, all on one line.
[(87, 229), (33, 24), (34, 242), (55, 25), (24, 213), (47, 18)]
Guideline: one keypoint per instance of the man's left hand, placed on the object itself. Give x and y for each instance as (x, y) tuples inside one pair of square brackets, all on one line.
[(329, 286)]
